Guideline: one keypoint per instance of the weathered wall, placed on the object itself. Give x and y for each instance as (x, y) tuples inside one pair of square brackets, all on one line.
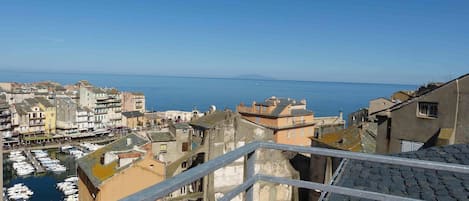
[(295, 136), (131, 180), (171, 154), (233, 133), (408, 125), (379, 104), (462, 128)]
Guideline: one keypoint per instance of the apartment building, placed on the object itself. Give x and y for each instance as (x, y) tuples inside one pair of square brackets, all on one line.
[(291, 121), (133, 101)]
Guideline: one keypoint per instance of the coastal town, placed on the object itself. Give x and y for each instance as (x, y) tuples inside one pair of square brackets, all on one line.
[(122, 148)]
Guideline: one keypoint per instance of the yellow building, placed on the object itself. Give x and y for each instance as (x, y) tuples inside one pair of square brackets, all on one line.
[(291, 121), (50, 112), (118, 170)]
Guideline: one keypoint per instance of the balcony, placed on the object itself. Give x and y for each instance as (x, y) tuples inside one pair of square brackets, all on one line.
[(5, 114), (173, 184)]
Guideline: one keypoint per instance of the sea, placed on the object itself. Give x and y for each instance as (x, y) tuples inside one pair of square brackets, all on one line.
[(187, 93)]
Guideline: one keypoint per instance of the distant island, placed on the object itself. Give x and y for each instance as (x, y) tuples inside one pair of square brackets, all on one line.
[(253, 77)]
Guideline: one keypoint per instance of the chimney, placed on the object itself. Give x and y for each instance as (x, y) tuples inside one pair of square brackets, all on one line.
[(129, 141)]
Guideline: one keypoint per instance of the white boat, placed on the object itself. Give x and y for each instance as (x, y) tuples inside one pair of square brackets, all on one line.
[(65, 148), (19, 192), (70, 192), (71, 179), (58, 168)]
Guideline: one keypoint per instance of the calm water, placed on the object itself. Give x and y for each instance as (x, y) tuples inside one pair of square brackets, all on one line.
[(179, 93), (42, 185)]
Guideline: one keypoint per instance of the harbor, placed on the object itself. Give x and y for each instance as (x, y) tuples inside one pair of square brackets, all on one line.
[(45, 178), (36, 164)]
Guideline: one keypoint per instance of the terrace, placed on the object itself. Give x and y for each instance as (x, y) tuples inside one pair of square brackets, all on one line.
[(170, 185)]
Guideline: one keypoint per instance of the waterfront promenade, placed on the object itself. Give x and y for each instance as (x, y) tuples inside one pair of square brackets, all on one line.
[(58, 145)]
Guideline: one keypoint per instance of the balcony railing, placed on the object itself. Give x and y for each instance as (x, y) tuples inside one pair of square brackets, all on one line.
[(172, 184)]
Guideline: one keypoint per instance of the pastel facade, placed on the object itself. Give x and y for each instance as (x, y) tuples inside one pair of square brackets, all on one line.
[(133, 101), (291, 121), (119, 169)]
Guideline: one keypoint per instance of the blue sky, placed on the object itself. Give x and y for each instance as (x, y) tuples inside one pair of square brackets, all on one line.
[(352, 41)]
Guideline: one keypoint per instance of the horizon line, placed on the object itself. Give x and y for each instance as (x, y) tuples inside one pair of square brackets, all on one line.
[(235, 77)]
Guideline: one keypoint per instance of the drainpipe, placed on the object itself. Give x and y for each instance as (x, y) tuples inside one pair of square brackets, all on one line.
[(456, 114)]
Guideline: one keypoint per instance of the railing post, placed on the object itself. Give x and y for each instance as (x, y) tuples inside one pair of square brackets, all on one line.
[(249, 172)]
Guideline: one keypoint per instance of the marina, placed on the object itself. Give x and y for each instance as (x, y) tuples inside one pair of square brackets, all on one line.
[(58, 167), (37, 166)]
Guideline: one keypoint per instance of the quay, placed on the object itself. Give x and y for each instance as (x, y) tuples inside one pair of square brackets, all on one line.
[(36, 164), (58, 145)]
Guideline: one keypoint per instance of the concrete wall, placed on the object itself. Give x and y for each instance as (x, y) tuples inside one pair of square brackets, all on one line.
[(379, 104), (137, 177), (295, 136), (233, 133), (407, 124), (462, 128), (172, 153)]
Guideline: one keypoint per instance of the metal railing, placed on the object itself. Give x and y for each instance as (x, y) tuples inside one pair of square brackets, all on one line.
[(172, 184)]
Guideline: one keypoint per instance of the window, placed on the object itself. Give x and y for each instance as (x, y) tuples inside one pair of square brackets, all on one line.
[(258, 119), (163, 148), (410, 145), (428, 109), (185, 146)]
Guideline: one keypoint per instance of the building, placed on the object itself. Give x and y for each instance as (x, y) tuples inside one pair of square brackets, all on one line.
[(50, 113), (151, 119), (401, 96), (17, 97), (379, 104), (358, 117), (172, 147), (291, 121), (5, 120), (133, 119), (114, 108), (105, 104), (28, 119), (414, 183), (66, 115), (133, 101), (222, 131), (178, 116), (325, 125), (85, 119), (437, 117), (119, 169)]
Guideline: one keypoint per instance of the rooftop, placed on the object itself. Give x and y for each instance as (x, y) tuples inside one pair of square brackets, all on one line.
[(410, 182), (95, 170), (210, 120), (44, 102), (182, 126), (156, 136), (132, 114), (279, 105)]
